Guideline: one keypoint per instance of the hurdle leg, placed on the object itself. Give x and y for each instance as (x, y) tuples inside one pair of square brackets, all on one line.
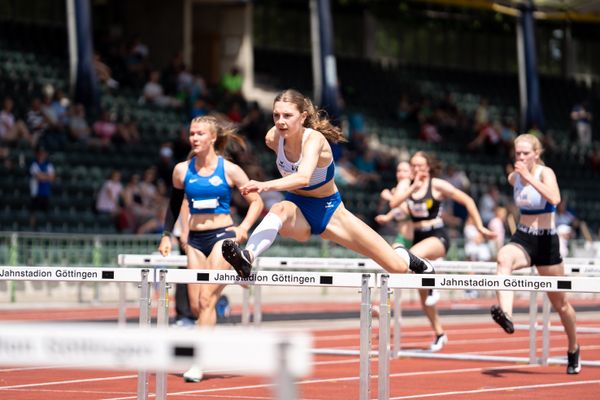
[(383, 378), (246, 306), (284, 381), (546, 330), (365, 339), (397, 322), (142, 383), (257, 312), (122, 319), (162, 320), (532, 327)]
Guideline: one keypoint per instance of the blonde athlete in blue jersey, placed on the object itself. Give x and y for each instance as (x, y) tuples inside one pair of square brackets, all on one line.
[(206, 180), (312, 205)]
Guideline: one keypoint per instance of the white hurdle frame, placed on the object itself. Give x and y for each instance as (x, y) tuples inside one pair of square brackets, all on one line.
[(283, 347)]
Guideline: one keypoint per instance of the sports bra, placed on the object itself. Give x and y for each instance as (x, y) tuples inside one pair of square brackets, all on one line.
[(425, 208), (528, 199), (207, 194), (319, 177)]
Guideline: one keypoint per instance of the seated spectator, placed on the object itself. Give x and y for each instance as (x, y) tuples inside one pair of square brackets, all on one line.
[(107, 200), (582, 121), (488, 139), (11, 129), (127, 131), (104, 73), (153, 92), (105, 128), (79, 129), (428, 132), (37, 122), (564, 216)]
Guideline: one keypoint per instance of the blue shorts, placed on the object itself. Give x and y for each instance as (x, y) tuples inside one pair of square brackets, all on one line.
[(205, 240), (316, 210)]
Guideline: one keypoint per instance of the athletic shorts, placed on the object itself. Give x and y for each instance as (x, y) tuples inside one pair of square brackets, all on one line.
[(205, 240), (317, 210), (543, 249), (439, 233)]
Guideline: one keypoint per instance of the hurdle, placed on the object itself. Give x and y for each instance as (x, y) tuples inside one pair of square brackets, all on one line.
[(282, 356), (532, 284), (573, 266)]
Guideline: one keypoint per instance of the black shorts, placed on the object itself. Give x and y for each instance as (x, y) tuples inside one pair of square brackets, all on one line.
[(205, 240), (542, 249), (439, 233)]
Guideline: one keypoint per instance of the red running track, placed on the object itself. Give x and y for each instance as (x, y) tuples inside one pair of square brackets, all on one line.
[(337, 377)]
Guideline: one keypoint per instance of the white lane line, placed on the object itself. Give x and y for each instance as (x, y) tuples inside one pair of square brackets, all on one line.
[(336, 380), (108, 378), (502, 389)]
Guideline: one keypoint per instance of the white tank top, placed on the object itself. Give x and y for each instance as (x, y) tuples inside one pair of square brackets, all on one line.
[(320, 176)]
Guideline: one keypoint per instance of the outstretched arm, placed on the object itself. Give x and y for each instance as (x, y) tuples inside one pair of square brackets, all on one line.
[(450, 191), (239, 178)]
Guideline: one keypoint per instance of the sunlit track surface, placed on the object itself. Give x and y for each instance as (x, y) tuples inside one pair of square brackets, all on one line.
[(337, 377)]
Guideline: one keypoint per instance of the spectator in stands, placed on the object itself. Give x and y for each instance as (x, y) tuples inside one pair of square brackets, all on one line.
[(104, 73), (482, 114), (488, 203), (455, 212), (153, 92), (428, 132), (107, 201), (127, 131), (206, 179), (312, 204), (41, 176), (165, 164), (105, 129), (582, 121), (37, 122), (254, 123), (232, 84), (566, 216), (181, 145), (535, 241), (79, 129), (133, 212), (488, 138), (424, 198), (11, 129)]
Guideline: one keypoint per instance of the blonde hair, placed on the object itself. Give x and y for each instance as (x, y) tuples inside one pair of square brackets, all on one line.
[(316, 118), (535, 143), (224, 130)]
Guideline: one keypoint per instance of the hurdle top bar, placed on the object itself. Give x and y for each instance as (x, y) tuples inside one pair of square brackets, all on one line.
[(573, 265), (159, 349), (69, 273), (495, 282)]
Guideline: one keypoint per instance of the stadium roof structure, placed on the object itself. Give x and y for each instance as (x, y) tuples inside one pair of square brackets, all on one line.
[(571, 10)]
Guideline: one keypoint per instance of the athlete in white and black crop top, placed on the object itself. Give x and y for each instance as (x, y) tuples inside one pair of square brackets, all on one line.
[(535, 241)]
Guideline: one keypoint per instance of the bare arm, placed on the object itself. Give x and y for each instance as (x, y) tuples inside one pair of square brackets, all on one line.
[(239, 178), (310, 157), (405, 189), (450, 191)]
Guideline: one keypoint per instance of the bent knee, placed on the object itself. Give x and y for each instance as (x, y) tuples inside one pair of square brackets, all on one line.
[(278, 209)]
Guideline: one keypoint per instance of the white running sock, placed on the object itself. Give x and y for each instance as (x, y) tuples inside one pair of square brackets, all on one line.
[(403, 253), (264, 235)]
